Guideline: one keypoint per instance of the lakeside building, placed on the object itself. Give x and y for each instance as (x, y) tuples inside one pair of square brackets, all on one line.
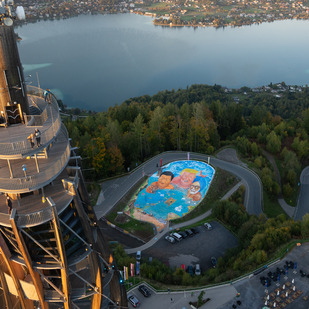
[(52, 253)]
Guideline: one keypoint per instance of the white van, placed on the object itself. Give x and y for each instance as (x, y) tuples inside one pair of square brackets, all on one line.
[(138, 255), (177, 236)]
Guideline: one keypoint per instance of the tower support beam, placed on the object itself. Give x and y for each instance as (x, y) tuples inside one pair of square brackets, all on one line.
[(25, 253), (64, 271), (9, 268)]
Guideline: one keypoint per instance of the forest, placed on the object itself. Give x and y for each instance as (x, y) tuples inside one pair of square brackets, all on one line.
[(206, 119), (202, 119)]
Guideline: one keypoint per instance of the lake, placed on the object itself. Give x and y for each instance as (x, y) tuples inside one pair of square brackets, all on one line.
[(96, 61)]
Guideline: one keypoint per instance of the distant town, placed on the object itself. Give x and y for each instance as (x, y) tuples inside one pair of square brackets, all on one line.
[(203, 13)]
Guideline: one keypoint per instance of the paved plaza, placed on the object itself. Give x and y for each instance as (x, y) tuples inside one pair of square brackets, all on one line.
[(254, 295), (218, 296)]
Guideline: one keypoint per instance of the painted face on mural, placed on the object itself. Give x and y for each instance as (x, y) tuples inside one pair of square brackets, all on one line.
[(195, 187), (186, 179), (164, 181)]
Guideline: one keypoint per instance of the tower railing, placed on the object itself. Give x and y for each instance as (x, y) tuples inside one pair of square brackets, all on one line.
[(23, 146), (32, 182)]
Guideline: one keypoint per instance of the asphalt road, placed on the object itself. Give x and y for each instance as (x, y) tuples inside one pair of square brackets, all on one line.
[(303, 204), (114, 190)]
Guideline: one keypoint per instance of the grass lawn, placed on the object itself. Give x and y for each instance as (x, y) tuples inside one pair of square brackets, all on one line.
[(158, 5), (208, 219), (143, 230), (239, 95), (227, 7), (222, 183), (251, 11), (94, 190), (271, 206), (292, 200), (192, 15)]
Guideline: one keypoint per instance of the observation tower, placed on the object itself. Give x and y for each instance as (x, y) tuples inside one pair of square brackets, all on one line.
[(52, 253)]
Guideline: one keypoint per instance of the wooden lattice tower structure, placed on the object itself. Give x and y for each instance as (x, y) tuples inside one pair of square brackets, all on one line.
[(52, 253)]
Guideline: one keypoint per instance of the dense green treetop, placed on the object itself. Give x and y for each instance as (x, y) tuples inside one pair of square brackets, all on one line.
[(199, 118)]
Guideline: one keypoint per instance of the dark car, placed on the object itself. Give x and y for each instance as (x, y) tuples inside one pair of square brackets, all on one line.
[(213, 261), (143, 289), (183, 234), (133, 300), (194, 230), (190, 270), (189, 232)]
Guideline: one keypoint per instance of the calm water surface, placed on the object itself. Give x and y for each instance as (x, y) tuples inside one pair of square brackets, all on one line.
[(94, 62)]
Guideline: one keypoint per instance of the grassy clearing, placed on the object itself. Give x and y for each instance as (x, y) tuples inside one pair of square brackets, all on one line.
[(292, 200), (221, 184), (193, 15), (239, 95), (94, 190), (158, 5), (252, 11), (208, 219), (140, 229), (271, 206)]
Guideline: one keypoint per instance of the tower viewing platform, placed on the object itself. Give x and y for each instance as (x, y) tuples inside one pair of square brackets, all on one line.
[(34, 171)]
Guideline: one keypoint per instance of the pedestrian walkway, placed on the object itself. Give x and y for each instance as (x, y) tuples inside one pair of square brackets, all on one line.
[(218, 296)]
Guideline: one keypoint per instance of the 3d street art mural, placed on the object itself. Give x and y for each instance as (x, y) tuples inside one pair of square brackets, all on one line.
[(173, 192)]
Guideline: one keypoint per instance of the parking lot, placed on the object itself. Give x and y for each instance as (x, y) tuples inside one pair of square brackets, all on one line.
[(197, 249), (253, 293)]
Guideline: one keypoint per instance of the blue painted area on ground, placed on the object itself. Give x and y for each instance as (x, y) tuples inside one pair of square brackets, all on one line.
[(191, 180)]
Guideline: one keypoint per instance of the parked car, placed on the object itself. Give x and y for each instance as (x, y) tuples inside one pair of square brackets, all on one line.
[(143, 289), (183, 234), (194, 230), (213, 261), (197, 269), (133, 300), (177, 236), (208, 226), (190, 270), (170, 239), (189, 232), (138, 255)]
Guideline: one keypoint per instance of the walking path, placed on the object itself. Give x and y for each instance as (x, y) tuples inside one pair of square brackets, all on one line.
[(287, 208)]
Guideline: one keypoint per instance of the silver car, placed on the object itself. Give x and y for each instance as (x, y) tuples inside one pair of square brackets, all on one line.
[(197, 269), (133, 300), (208, 226), (170, 239)]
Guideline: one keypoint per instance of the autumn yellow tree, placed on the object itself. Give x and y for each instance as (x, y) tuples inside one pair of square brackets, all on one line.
[(98, 151), (115, 160)]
